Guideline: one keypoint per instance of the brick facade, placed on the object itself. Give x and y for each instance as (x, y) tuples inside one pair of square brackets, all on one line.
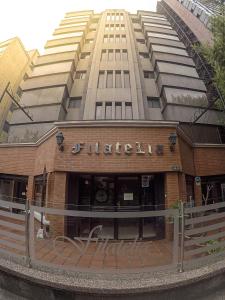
[(30, 160)]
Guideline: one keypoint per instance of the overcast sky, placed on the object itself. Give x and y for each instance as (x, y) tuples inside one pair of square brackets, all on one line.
[(34, 21)]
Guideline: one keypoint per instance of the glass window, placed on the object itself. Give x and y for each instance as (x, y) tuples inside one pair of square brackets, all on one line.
[(128, 111), (117, 27), (124, 54), (101, 79), (121, 17), (148, 74), (117, 39), (118, 110), (89, 41), (108, 110), (67, 35), (118, 57), (141, 41), (108, 17), (85, 55), (143, 55), (111, 38), (59, 49), (19, 91), (109, 79), (113, 17), (153, 102), (105, 39), (117, 17), (126, 79), (122, 27), (75, 102), (107, 27), (110, 57), (156, 18), (98, 111), (6, 127), (72, 25), (80, 75), (111, 27), (157, 25), (124, 39), (163, 36), (104, 55), (118, 79)]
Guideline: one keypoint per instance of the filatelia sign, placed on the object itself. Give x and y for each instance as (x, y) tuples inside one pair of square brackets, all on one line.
[(118, 148)]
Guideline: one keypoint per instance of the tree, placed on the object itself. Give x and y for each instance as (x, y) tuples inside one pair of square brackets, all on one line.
[(215, 53)]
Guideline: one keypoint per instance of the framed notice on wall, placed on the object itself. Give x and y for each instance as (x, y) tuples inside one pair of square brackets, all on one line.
[(128, 196)]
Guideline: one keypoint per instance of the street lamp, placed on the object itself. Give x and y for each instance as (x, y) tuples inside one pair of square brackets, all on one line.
[(173, 141), (59, 140)]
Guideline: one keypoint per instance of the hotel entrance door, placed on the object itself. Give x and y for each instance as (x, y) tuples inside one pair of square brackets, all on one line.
[(116, 193)]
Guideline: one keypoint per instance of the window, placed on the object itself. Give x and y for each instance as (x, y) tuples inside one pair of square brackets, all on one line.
[(6, 127), (143, 55), (104, 55), (111, 38), (148, 74), (128, 111), (25, 77), (109, 79), (108, 17), (137, 30), (89, 41), (122, 27), (118, 110), (153, 102), (75, 102), (13, 107), (105, 39), (118, 79), (123, 38), (126, 79), (101, 79), (98, 111), (107, 27), (121, 17), (117, 39), (19, 91), (141, 41), (117, 17), (118, 56), (85, 55), (124, 54), (117, 27), (108, 110), (111, 27), (60, 49), (80, 75), (110, 57)]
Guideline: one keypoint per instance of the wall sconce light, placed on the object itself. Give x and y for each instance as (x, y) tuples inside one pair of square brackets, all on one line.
[(59, 140), (173, 141)]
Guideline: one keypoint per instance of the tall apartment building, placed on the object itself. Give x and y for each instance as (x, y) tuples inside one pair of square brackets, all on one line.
[(15, 66), (112, 99)]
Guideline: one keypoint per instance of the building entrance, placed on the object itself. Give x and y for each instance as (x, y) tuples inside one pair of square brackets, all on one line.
[(111, 192)]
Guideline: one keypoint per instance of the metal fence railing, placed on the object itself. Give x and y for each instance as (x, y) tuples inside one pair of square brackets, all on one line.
[(171, 239)]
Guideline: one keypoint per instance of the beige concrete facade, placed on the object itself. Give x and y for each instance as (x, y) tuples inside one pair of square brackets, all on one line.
[(15, 66)]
